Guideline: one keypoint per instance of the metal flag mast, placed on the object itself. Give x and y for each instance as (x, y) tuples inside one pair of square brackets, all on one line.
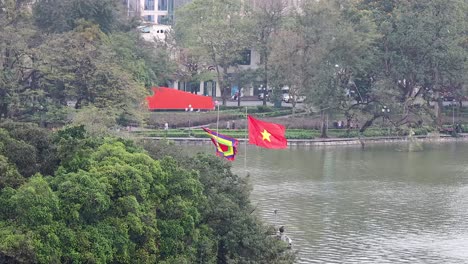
[(217, 125), (217, 120), (245, 141)]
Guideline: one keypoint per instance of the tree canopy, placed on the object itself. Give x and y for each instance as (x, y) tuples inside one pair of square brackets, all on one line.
[(74, 54), (108, 200), (220, 31)]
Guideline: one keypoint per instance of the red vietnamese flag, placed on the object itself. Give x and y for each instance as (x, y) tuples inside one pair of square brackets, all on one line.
[(266, 135)]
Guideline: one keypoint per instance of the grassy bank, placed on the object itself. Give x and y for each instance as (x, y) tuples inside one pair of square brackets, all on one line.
[(290, 133)]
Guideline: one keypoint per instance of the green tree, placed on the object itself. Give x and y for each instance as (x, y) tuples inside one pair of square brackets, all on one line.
[(9, 175), (29, 147), (237, 235), (267, 17), (148, 62), (64, 15), (87, 71), (82, 51), (32, 210), (423, 54), (110, 202), (335, 45), (427, 41), (219, 30), (19, 92), (287, 68), (118, 205)]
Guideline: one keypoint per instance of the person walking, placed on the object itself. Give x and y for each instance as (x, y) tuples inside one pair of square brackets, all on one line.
[(166, 128)]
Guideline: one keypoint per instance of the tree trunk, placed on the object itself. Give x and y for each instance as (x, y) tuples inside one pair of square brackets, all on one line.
[(223, 83), (324, 125), (348, 123), (78, 103), (437, 111), (437, 106), (265, 78), (293, 108), (368, 123)]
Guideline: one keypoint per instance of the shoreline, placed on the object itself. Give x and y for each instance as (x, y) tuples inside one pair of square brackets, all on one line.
[(327, 141)]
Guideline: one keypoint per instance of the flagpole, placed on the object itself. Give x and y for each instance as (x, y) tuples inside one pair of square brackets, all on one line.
[(217, 126), (217, 120), (245, 140)]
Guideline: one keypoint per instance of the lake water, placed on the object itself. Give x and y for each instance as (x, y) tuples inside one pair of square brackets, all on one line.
[(382, 204)]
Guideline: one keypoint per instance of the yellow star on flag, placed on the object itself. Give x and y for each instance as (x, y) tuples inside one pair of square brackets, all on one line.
[(266, 135)]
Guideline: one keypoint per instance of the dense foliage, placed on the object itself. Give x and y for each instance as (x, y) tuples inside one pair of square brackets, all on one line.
[(106, 200), (220, 31), (68, 55), (351, 58)]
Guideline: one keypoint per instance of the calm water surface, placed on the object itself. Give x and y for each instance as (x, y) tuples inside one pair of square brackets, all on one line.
[(382, 204)]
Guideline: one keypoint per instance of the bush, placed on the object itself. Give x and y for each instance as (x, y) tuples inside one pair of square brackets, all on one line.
[(264, 108), (184, 119), (422, 131), (227, 210)]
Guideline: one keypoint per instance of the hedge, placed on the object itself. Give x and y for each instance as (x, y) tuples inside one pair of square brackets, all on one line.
[(290, 133)]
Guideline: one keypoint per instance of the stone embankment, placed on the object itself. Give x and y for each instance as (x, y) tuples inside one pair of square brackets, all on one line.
[(332, 141)]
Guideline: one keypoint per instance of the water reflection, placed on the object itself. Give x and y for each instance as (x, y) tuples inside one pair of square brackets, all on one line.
[(378, 205), (382, 204)]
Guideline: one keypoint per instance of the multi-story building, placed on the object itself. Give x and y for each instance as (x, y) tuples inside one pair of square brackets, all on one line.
[(155, 11), (151, 11)]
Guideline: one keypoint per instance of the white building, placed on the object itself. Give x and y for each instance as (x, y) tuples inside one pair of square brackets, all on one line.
[(154, 11)]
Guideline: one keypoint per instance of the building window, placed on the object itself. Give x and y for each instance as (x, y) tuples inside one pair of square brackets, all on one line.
[(209, 88), (149, 4), (170, 11), (149, 18), (181, 86), (162, 20), (162, 5), (245, 57)]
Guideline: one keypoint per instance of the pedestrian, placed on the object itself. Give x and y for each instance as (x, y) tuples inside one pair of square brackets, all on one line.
[(228, 125), (166, 129), (460, 127), (233, 125)]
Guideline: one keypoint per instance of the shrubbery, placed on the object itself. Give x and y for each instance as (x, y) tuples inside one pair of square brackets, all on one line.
[(183, 119), (108, 201), (290, 133)]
